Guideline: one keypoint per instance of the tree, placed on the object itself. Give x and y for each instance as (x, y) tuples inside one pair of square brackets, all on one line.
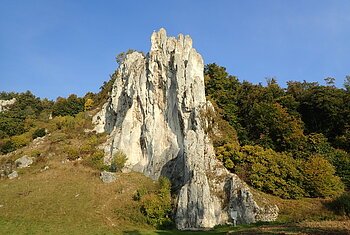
[(330, 81), (320, 180), (122, 56), (347, 83), (70, 106), (88, 104)]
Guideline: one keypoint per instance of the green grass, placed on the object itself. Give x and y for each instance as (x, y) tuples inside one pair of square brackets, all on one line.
[(69, 199)]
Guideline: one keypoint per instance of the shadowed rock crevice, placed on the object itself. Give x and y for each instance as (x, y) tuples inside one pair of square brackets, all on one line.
[(156, 105)]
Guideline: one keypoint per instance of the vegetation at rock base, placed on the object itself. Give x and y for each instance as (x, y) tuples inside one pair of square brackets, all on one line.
[(157, 205), (118, 161), (292, 142), (341, 205)]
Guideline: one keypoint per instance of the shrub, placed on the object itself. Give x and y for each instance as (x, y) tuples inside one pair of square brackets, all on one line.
[(156, 206), (72, 152), (40, 132), (140, 193), (341, 205), (65, 122), (7, 146), (57, 137), (320, 179), (341, 161), (272, 172), (70, 106), (118, 162), (264, 169), (95, 160), (21, 140)]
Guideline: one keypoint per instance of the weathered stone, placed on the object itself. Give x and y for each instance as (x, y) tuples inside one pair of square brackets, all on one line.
[(108, 177), (13, 175), (24, 161), (4, 104), (154, 117)]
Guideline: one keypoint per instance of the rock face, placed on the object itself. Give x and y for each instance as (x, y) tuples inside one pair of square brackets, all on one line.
[(108, 177), (13, 175), (155, 116), (4, 104), (24, 161)]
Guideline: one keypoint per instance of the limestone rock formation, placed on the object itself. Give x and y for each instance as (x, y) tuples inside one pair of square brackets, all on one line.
[(24, 161), (13, 175), (4, 104), (108, 177), (155, 116)]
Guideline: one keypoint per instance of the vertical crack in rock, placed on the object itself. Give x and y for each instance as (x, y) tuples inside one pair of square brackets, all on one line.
[(153, 116)]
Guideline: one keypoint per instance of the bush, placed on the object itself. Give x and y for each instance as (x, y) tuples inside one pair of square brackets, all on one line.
[(341, 205), (21, 140), (156, 206), (320, 179), (271, 172), (40, 132), (118, 162), (68, 107), (73, 153), (57, 137), (95, 160), (7, 146), (341, 161), (264, 169)]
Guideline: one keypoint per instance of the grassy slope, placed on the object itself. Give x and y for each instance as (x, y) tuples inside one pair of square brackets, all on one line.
[(69, 198)]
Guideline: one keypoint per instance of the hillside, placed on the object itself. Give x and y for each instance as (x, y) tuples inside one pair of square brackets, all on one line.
[(69, 198)]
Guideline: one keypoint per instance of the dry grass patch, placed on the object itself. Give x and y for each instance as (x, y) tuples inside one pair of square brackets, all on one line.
[(70, 199)]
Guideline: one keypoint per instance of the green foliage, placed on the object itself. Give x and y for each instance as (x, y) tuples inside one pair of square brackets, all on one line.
[(68, 107), (72, 152), (118, 162), (269, 171), (89, 103), (341, 205), (57, 137), (328, 102), (280, 174), (320, 180), (40, 132), (7, 146), (22, 140), (105, 90), (10, 126), (293, 125), (95, 160), (140, 193), (278, 118), (341, 161), (156, 206)]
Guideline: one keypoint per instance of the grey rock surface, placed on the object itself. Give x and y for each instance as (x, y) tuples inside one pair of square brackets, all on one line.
[(154, 117), (24, 161), (108, 177), (13, 175)]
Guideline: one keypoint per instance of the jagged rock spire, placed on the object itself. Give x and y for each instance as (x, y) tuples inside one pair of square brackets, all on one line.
[(155, 116)]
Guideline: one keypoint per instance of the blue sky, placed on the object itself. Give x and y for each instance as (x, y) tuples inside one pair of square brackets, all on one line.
[(59, 47)]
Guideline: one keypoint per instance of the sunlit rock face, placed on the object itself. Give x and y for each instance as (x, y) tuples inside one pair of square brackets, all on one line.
[(5, 104), (154, 116)]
